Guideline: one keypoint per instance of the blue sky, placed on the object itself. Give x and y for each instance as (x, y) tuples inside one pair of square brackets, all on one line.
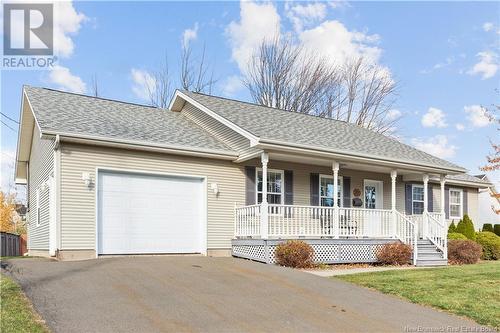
[(445, 56)]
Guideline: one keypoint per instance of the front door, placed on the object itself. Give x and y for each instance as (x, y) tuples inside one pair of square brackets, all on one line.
[(374, 196)]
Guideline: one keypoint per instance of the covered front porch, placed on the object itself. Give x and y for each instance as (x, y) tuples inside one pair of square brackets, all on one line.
[(342, 223)]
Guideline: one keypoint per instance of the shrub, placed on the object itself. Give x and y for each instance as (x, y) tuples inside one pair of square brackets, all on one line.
[(496, 229), (463, 251), (294, 253), (456, 235), (394, 254), (491, 245), (466, 228), (452, 228), (487, 227)]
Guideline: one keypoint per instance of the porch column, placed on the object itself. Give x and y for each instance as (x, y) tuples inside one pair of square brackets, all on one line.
[(426, 202), (335, 168), (394, 174), (264, 157), (442, 181)]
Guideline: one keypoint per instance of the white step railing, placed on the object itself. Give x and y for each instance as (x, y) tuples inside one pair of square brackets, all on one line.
[(436, 231), (407, 232)]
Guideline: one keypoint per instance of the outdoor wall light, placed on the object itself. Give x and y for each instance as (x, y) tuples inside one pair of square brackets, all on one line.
[(214, 187), (88, 180)]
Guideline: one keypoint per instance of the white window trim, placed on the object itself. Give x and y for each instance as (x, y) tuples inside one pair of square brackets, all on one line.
[(37, 207), (461, 203), (341, 189), (282, 172), (412, 200)]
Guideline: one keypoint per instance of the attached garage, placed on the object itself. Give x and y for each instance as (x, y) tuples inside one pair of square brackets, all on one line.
[(142, 213)]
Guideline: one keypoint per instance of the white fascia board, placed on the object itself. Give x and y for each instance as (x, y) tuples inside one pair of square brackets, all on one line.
[(140, 145), (303, 149), (179, 94), (280, 145)]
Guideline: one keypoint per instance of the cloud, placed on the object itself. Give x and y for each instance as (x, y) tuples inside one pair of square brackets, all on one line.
[(305, 15), (487, 67), (393, 114), (144, 84), (257, 21), (434, 118), (334, 40), (448, 61), (477, 116), (67, 23), (65, 80), (189, 35), (232, 85), (7, 184), (437, 146), (488, 26), (460, 127)]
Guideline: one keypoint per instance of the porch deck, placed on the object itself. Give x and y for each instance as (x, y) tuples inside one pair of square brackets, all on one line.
[(337, 234)]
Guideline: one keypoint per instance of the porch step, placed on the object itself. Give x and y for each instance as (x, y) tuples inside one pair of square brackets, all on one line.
[(429, 254)]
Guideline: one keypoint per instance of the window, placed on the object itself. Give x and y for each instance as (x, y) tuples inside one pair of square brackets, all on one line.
[(456, 199), (37, 207), (417, 202), (326, 191), (275, 186)]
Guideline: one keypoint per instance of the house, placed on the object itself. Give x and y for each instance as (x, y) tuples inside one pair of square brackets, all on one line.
[(489, 205), (218, 177)]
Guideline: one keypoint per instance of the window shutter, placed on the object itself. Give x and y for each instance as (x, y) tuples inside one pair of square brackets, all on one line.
[(430, 206), (347, 191), (314, 185), (288, 187), (408, 199), (250, 185), (464, 200), (447, 202)]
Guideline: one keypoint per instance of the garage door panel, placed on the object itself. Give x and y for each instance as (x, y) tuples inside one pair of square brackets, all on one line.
[(149, 214)]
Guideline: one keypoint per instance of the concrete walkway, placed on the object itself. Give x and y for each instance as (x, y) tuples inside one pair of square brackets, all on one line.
[(347, 271), (200, 294)]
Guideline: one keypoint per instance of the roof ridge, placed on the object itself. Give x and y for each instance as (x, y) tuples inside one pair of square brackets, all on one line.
[(95, 97)]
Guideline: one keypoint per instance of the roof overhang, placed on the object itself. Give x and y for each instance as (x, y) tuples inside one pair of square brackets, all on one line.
[(457, 182), (346, 156), (27, 123), (139, 145)]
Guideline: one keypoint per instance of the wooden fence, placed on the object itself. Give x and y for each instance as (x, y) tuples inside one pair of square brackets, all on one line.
[(10, 245)]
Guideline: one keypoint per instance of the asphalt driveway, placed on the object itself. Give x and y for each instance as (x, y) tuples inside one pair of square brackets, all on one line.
[(200, 294)]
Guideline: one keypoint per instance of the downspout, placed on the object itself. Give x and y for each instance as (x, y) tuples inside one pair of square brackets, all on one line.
[(57, 180)]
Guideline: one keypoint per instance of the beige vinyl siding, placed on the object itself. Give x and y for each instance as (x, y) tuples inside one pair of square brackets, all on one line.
[(78, 202), (302, 174), (225, 134), (472, 202), (40, 169)]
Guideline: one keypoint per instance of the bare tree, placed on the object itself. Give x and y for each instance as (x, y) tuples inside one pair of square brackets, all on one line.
[(159, 86), (94, 86), (195, 75), (286, 76)]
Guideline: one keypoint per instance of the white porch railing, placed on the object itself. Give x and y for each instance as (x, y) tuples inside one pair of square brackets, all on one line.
[(289, 221)]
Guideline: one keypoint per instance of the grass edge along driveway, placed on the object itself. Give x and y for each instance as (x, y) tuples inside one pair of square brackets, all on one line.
[(469, 290), (17, 313)]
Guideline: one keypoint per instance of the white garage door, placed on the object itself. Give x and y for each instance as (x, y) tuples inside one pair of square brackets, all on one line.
[(140, 213)]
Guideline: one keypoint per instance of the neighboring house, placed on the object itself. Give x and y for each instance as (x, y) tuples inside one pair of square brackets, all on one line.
[(217, 176), (489, 205)]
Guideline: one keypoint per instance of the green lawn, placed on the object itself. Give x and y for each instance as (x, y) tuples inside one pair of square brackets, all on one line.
[(16, 312), (469, 290)]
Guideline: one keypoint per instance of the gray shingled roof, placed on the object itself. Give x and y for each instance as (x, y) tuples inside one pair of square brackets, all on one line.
[(467, 178), (296, 128), (63, 112)]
